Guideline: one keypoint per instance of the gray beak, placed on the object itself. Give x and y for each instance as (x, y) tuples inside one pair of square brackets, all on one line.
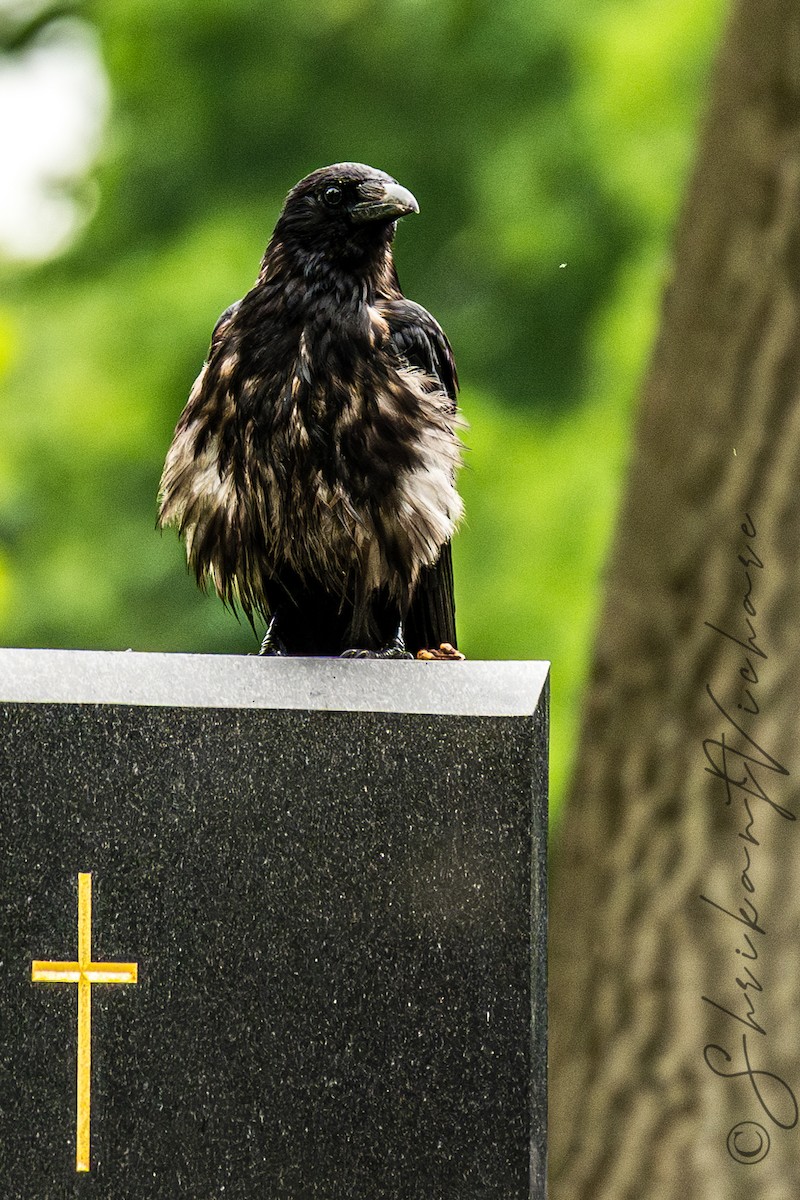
[(383, 202)]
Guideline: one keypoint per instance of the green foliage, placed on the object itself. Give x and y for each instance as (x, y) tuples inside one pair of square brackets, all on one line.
[(532, 136)]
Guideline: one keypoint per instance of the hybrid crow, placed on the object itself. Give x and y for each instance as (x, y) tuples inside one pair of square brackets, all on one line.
[(312, 471)]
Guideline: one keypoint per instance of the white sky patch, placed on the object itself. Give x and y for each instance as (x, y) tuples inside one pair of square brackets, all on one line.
[(54, 101)]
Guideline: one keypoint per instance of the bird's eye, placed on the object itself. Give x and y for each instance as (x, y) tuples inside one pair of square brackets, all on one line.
[(332, 195)]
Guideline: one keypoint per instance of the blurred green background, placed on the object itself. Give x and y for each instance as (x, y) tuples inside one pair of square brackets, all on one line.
[(548, 145)]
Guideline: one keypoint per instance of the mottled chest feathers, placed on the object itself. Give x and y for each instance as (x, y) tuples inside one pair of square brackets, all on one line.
[(341, 465)]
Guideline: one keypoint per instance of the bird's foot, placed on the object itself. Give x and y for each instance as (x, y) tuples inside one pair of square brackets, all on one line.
[(272, 646), (445, 653), (392, 651), (396, 648)]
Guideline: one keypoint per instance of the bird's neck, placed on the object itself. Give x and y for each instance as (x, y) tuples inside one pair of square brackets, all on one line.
[(330, 286), (310, 278)]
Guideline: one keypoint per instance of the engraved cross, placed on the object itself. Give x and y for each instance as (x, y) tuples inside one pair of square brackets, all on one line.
[(84, 972)]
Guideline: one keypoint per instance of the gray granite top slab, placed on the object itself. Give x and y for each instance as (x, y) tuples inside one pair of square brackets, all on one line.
[(472, 688)]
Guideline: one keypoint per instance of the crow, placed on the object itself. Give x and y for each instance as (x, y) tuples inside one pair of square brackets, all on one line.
[(312, 471)]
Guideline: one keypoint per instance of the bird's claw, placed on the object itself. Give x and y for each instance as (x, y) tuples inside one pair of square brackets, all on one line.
[(445, 653), (270, 650), (389, 652)]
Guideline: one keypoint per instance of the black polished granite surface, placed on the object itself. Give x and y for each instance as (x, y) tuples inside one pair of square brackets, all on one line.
[(330, 880)]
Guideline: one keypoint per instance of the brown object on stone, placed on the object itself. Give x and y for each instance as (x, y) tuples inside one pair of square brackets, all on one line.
[(445, 653)]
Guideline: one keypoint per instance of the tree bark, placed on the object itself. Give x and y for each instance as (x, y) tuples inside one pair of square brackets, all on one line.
[(697, 675)]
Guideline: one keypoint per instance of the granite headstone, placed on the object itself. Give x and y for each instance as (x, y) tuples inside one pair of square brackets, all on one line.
[(271, 928)]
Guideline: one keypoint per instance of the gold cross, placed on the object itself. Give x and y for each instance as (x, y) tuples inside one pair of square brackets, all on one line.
[(84, 972)]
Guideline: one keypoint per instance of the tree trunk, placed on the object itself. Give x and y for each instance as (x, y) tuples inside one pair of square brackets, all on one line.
[(677, 872)]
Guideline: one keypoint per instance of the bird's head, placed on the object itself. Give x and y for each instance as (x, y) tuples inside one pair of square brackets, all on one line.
[(346, 213)]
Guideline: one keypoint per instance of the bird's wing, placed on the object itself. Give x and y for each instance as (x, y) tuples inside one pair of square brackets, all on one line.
[(419, 339), (420, 342), (221, 320)]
